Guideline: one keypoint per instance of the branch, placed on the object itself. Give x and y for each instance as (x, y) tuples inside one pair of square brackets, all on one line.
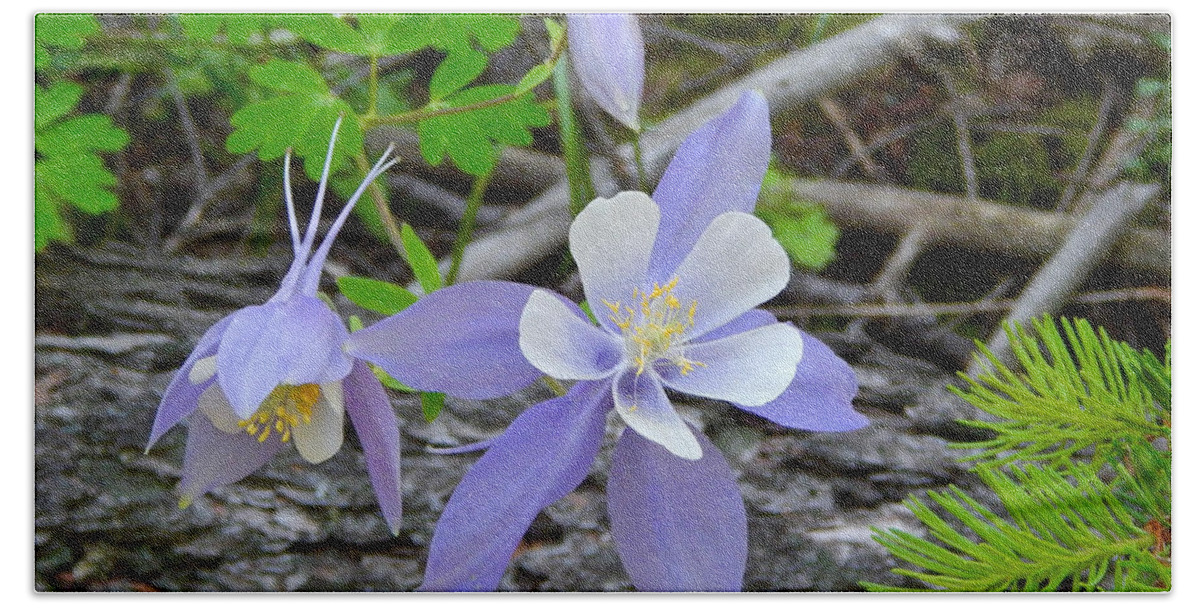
[(1083, 249), (978, 225)]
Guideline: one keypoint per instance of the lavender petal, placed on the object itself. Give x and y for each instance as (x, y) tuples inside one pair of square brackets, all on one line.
[(462, 340), (679, 525), (545, 453), (819, 397), (378, 431), (718, 168), (295, 341), (214, 458), (609, 57), (181, 396)]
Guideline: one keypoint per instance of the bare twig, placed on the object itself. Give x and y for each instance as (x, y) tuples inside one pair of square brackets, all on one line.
[(1157, 294), (1086, 246), (963, 134), (1108, 96), (834, 112), (207, 192), (979, 225), (888, 282)]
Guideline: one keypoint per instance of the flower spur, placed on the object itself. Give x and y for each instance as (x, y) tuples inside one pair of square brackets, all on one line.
[(273, 374)]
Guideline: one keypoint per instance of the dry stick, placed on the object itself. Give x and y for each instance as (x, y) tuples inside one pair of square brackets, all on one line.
[(540, 227), (1086, 246), (977, 225), (963, 134), (208, 192), (833, 111), (1108, 97), (963, 308)]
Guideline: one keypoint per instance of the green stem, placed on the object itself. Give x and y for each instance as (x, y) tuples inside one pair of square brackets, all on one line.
[(373, 87), (579, 176), (637, 160), (467, 225), (554, 385), (381, 205)]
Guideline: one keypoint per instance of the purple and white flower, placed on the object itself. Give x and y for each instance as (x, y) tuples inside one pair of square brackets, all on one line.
[(674, 280), (610, 58), (276, 374)]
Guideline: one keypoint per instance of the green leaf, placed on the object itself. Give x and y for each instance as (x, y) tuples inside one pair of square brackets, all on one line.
[(456, 71), (289, 77), (379, 296), (587, 309), (389, 381), (537, 75), (805, 232), (469, 137), (432, 404), (302, 119), (66, 31), (67, 169), (239, 29), (48, 225), (54, 103), (423, 264), (801, 227), (328, 31), (555, 31)]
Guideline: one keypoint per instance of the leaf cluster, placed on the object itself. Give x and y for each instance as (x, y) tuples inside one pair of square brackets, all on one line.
[(1080, 460), (68, 171)]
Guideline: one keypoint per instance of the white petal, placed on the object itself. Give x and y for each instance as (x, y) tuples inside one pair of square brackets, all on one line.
[(750, 368), (735, 266), (643, 405), (556, 341), (217, 409), (322, 438), (202, 370), (611, 242)]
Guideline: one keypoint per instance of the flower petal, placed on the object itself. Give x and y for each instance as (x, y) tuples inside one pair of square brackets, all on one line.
[(214, 458), (461, 340), (750, 368), (378, 431), (322, 437), (643, 405), (611, 241), (562, 345), (213, 404), (545, 453), (718, 168), (819, 397), (679, 525), (295, 341), (751, 319), (609, 56), (735, 266), (180, 398)]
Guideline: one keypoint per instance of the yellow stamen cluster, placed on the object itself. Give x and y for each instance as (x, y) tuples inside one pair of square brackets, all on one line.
[(284, 409), (655, 327)]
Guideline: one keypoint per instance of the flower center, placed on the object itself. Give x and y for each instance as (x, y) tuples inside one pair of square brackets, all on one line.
[(654, 329), (284, 409)]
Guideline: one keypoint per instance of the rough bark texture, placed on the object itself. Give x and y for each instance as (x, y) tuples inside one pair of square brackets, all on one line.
[(107, 518)]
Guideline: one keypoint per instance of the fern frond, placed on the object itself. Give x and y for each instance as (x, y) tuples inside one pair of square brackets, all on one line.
[(1070, 395), (1060, 531)]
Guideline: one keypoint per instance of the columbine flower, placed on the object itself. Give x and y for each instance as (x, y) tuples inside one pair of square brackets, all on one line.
[(609, 57), (276, 374), (674, 280)]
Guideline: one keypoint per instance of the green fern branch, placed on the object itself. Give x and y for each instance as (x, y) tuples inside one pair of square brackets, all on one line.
[(1059, 531), (1070, 395)]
